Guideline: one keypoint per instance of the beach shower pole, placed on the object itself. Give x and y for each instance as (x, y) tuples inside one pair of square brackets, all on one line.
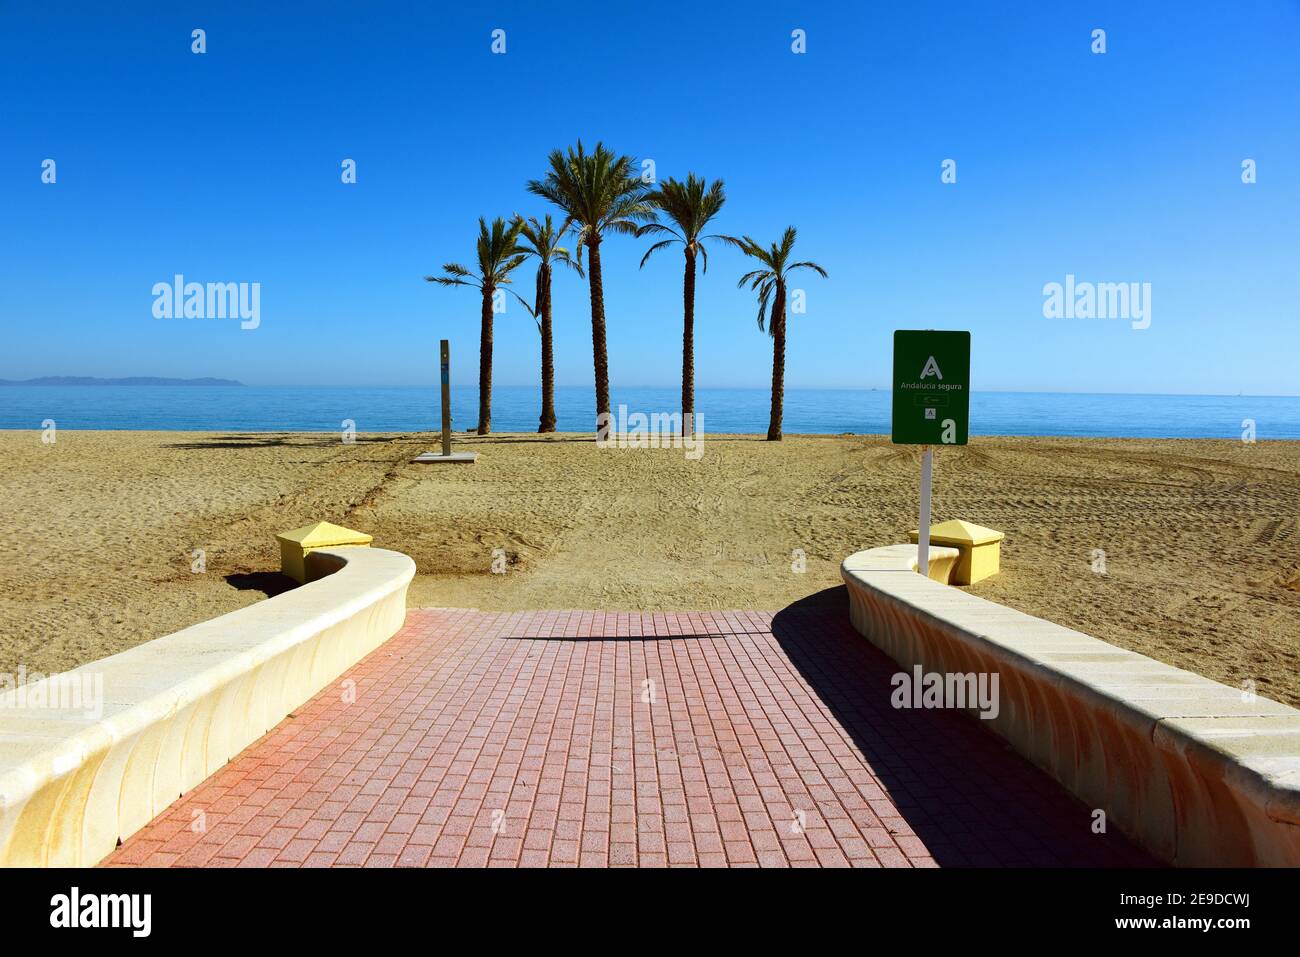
[(923, 530), (446, 397), (446, 455)]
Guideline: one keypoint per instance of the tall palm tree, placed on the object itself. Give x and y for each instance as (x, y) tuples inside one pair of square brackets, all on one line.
[(690, 206), (598, 194), (498, 255), (770, 282), (541, 240)]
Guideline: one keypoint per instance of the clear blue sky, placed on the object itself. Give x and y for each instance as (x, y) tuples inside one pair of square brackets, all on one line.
[(226, 167)]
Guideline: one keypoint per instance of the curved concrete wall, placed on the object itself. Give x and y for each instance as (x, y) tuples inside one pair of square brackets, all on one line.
[(1182, 764), (176, 709)]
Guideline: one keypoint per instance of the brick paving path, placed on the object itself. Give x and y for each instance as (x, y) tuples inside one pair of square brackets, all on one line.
[(600, 738)]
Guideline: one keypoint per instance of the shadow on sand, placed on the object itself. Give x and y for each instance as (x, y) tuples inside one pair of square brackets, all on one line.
[(534, 438), (259, 440), (269, 584)]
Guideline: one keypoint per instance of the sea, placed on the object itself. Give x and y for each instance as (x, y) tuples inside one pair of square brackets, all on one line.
[(516, 409)]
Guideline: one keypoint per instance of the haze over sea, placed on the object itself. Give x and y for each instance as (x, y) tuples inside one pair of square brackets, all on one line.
[(516, 408)]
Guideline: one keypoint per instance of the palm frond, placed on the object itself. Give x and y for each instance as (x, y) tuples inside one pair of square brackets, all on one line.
[(657, 229), (763, 296), (524, 302), (772, 278), (563, 257), (787, 243), (621, 227), (662, 244), (456, 275), (808, 265), (598, 191), (691, 204)]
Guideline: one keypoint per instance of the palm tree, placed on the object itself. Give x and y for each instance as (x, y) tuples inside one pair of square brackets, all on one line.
[(542, 241), (498, 255), (690, 206), (769, 280), (598, 194)]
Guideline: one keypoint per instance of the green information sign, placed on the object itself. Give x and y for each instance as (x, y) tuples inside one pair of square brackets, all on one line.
[(931, 387)]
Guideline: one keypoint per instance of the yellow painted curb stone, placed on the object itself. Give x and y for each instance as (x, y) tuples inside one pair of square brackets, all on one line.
[(296, 545), (980, 548)]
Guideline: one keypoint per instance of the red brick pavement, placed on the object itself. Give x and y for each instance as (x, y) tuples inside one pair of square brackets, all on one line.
[(600, 738)]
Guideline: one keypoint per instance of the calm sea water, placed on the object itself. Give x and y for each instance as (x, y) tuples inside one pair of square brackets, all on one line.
[(516, 408)]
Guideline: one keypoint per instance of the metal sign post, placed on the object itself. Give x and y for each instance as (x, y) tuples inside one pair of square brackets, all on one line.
[(931, 406), (923, 530), (445, 348)]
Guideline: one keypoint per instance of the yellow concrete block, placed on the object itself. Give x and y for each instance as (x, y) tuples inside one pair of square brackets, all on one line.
[(980, 549), (296, 545)]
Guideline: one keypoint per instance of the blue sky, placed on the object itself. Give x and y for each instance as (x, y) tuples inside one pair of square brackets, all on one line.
[(1121, 167)]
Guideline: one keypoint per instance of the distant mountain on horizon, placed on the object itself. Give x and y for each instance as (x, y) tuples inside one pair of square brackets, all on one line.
[(129, 380)]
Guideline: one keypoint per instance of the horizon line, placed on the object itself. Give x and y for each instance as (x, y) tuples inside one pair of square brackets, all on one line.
[(532, 385)]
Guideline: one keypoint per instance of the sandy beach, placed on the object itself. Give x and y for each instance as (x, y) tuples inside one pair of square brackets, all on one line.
[(102, 531)]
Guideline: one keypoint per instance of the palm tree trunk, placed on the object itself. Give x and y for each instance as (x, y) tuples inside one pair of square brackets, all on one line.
[(688, 344), (778, 364), (547, 423), (600, 355), (485, 365)]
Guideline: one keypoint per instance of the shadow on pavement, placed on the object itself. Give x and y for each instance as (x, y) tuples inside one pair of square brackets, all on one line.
[(965, 793)]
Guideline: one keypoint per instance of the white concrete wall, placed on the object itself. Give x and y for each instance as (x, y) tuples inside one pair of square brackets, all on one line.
[(176, 709), (1183, 764)]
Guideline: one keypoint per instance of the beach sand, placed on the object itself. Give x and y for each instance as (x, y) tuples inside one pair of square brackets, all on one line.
[(1201, 538)]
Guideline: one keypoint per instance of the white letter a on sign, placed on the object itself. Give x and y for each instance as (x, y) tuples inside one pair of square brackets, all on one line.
[(931, 368)]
